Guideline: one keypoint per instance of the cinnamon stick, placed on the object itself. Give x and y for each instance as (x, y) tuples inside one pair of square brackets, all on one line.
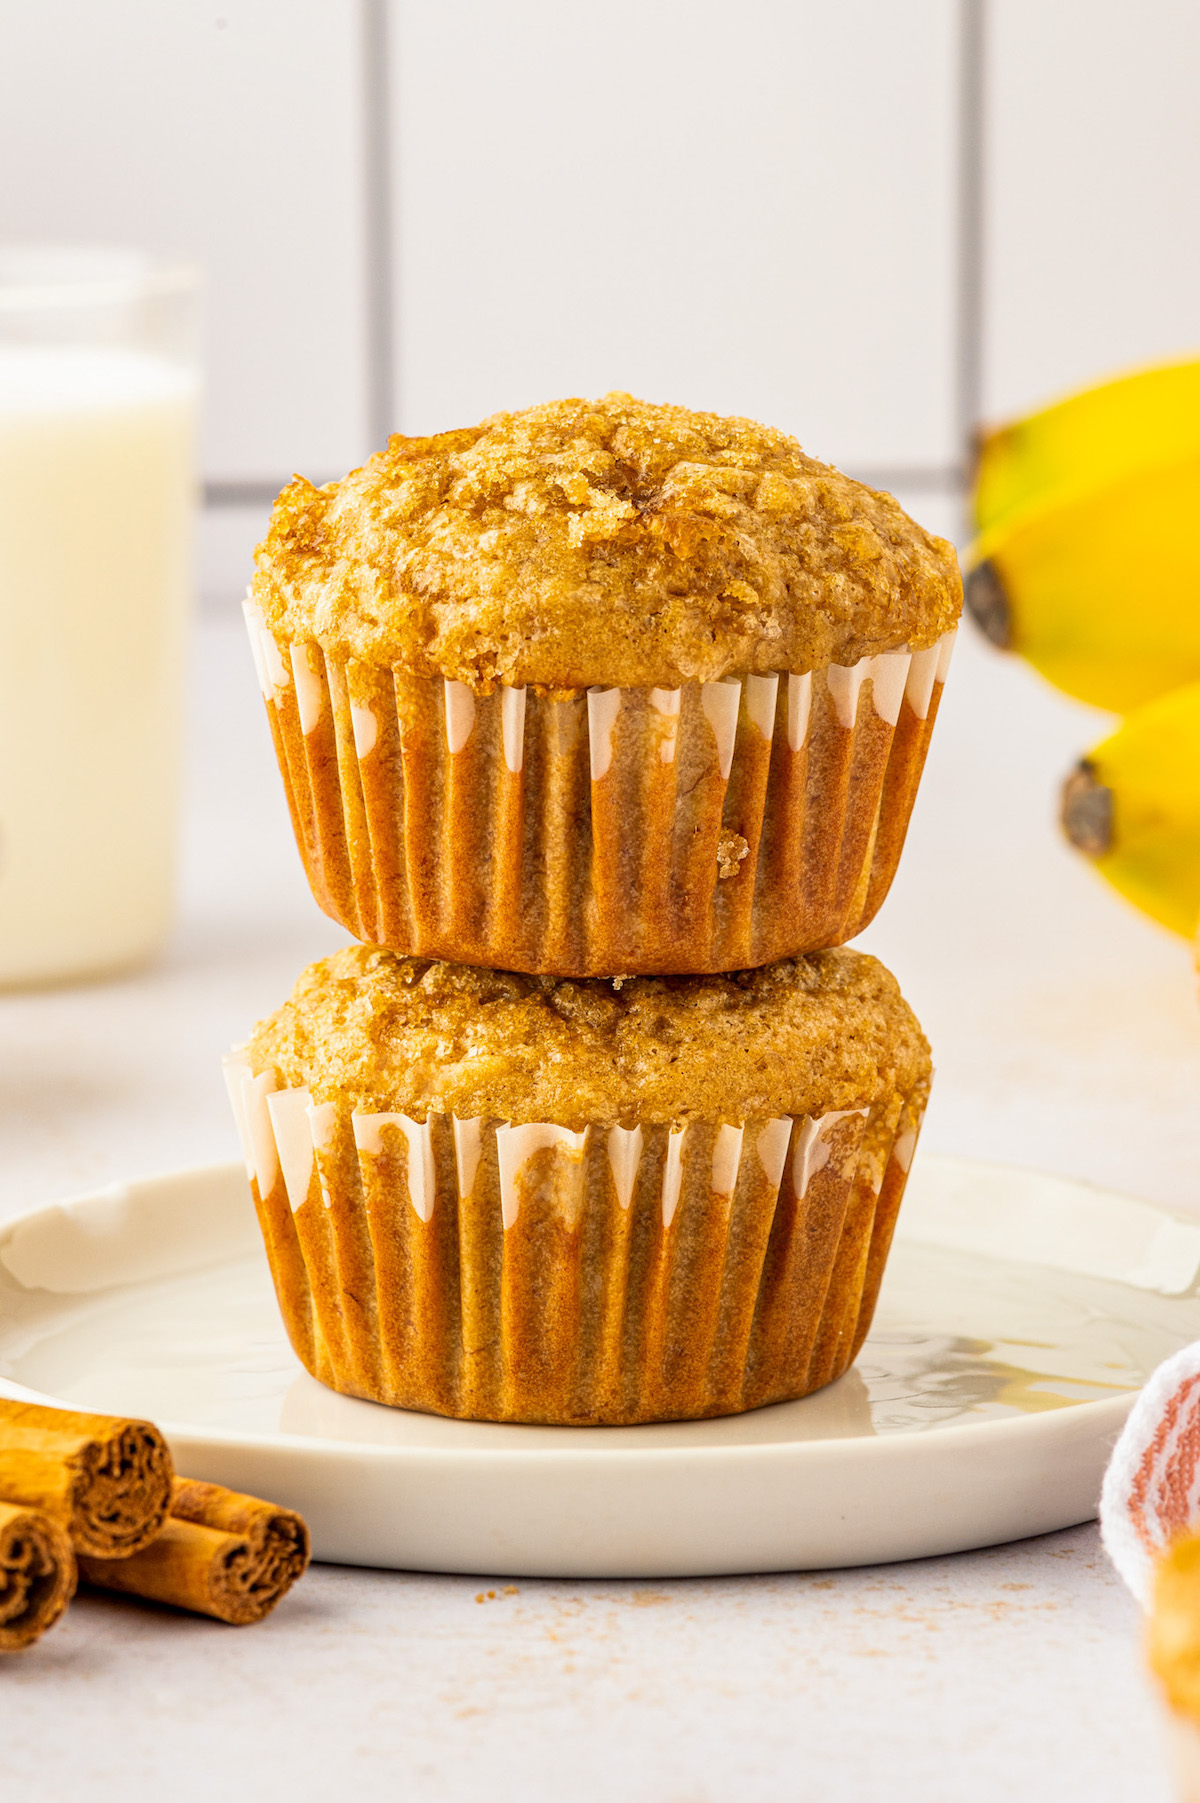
[(220, 1554), (108, 1481), (37, 1575)]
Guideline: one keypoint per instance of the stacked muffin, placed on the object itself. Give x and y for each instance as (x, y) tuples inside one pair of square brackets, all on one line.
[(600, 723)]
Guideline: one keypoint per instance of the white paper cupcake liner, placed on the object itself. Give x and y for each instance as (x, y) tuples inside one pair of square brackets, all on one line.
[(600, 832), (531, 1272)]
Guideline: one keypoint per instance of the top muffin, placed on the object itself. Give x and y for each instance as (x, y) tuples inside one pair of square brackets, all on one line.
[(612, 542)]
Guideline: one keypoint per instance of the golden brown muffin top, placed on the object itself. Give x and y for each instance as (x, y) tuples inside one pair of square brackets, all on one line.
[(388, 1034), (609, 542), (1173, 1635)]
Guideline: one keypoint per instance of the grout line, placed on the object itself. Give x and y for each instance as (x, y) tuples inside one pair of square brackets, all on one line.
[(251, 492), (923, 478), (377, 200), (969, 311)]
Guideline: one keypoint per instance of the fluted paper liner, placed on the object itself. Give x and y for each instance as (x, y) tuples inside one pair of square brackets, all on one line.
[(535, 1273), (600, 832)]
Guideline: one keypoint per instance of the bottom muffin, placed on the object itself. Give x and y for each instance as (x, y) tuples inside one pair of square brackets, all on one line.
[(520, 1198)]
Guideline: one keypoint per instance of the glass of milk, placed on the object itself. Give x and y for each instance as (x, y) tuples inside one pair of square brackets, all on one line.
[(98, 410)]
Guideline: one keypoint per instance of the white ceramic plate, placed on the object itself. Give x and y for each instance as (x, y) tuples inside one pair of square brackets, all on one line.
[(1019, 1315)]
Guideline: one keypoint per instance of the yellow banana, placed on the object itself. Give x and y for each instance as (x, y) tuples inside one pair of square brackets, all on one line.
[(1088, 556), (1133, 805)]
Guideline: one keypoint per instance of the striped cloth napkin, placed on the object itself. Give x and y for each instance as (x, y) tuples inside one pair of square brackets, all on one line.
[(1151, 1490)]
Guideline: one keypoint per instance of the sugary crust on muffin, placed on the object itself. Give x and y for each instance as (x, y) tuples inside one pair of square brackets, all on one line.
[(610, 542), (382, 1033)]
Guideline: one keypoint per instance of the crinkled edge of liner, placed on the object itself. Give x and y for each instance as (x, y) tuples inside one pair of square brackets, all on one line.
[(282, 1130), (893, 675)]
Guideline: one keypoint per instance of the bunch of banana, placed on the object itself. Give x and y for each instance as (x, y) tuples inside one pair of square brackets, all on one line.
[(1133, 805), (1088, 564)]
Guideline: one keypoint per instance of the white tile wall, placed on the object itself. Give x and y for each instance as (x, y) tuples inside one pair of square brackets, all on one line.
[(227, 131), (225, 551), (1093, 193), (747, 208)]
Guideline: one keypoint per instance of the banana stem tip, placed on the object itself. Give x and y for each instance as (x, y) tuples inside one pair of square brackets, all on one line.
[(1087, 811), (986, 601)]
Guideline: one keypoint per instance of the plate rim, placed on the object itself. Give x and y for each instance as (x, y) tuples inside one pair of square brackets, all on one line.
[(1096, 1415)]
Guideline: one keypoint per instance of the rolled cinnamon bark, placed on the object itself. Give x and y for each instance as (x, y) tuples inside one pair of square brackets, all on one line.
[(37, 1575), (106, 1479), (220, 1554)]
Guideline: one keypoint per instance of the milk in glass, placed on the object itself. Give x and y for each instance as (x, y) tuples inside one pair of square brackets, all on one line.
[(96, 499)]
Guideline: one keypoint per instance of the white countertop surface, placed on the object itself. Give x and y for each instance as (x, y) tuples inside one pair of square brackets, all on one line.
[(1066, 1034)]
